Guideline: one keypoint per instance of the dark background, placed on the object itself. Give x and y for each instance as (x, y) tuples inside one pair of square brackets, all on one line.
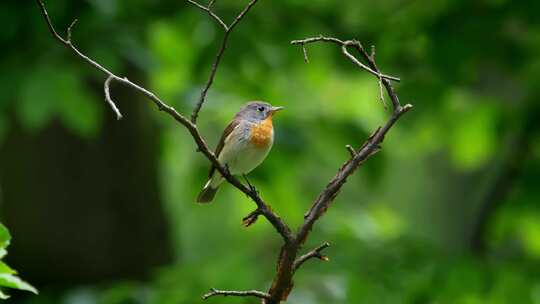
[(103, 211)]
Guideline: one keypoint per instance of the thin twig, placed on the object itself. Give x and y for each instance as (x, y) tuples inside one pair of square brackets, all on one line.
[(217, 60), (210, 12), (304, 51), (351, 150), (251, 218), (106, 88), (242, 14), (70, 28), (315, 253), (248, 293), (381, 93), (344, 45)]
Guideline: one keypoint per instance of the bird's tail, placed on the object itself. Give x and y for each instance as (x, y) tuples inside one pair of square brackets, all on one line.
[(208, 192)]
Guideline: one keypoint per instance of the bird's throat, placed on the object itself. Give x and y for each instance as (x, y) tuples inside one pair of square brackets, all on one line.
[(262, 133)]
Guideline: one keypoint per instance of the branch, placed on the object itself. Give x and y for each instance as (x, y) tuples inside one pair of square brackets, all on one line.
[(369, 148), (288, 263), (315, 253), (217, 61), (209, 11), (263, 208), (248, 293), (344, 45), (107, 91)]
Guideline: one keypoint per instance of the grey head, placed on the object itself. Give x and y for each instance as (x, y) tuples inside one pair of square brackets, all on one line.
[(257, 111)]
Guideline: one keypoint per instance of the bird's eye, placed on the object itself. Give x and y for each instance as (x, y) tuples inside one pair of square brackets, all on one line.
[(261, 109)]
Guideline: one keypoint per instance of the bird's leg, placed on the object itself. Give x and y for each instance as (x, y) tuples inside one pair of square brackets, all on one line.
[(251, 218), (251, 187)]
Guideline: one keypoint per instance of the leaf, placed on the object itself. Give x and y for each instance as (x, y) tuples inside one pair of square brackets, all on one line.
[(3, 296), (5, 269), (5, 237), (12, 281), (7, 274)]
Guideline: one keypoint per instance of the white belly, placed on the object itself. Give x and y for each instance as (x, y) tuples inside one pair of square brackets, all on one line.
[(243, 157), (240, 155)]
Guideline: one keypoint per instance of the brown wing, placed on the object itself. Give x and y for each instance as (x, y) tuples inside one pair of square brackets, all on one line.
[(221, 142)]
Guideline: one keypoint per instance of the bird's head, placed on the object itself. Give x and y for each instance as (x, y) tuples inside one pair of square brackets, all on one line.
[(258, 111)]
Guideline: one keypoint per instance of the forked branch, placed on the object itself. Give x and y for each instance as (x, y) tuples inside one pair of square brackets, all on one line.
[(370, 147), (228, 30), (288, 261), (263, 208)]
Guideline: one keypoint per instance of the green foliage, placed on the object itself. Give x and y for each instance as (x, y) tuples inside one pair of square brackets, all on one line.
[(8, 276)]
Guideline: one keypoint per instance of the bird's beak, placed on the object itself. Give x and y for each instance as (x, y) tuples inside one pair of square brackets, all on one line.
[(276, 109)]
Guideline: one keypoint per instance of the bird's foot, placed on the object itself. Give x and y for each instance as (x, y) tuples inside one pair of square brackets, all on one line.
[(251, 187)]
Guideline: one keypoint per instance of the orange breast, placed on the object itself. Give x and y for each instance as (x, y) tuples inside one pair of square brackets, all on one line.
[(261, 134)]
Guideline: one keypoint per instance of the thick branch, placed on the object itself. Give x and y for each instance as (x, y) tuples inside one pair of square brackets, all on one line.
[(265, 210), (248, 293), (315, 253), (217, 61)]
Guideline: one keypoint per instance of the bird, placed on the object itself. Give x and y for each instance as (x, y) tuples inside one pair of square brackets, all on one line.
[(244, 144)]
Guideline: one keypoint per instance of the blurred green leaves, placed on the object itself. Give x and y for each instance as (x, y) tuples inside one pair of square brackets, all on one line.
[(174, 57), (8, 277), (49, 93), (473, 134)]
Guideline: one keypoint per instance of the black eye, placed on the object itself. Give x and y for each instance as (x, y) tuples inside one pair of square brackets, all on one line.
[(261, 109)]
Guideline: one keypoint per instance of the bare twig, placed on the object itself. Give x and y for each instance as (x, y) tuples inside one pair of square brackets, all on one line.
[(381, 92), (70, 28), (351, 150), (344, 45), (315, 253), (108, 98), (265, 210), (248, 293), (251, 218), (304, 51), (210, 12), (217, 60)]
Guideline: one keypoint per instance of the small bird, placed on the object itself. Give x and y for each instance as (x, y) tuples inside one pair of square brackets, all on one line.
[(244, 145)]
